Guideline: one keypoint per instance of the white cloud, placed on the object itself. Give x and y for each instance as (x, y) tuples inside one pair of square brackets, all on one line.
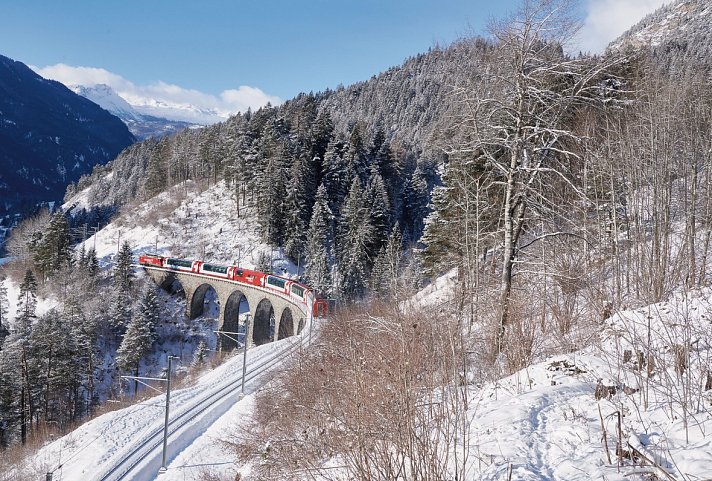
[(163, 99), (607, 19)]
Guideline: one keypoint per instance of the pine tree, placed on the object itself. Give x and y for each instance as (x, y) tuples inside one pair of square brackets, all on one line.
[(120, 312), (334, 175), (4, 308), (92, 263), (123, 273), (200, 355), (53, 252), (354, 234), (322, 134), (27, 300), (135, 345), (319, 249), (84, 332), (416, 199), (10, 386), (297, 210), (378, 206), (355, 157), (386, 267), (18, 347), (149, 311), (271, 202)]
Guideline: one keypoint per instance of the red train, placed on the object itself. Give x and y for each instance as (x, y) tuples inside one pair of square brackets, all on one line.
[(300, 292)]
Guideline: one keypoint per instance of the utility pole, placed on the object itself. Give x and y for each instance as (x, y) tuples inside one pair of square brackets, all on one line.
[(244, 355), (163, 468)]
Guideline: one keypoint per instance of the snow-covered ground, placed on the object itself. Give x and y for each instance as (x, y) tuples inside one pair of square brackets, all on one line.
[(200, 223), (542, 423), (89, 451)]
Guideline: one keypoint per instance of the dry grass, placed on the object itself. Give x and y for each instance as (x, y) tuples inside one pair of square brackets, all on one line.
[(375, 396)]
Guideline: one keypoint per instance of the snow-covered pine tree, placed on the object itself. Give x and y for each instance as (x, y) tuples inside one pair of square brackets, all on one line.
[(334, 174), (415, 202), (51, 249), (149, 310), (27, 299), (84, 332), (135, 345), (4, 311), (319, 248), (54, 356), (92, 263), (200, 355), (321, 135), (17, 348), (120, 311), (123, 273), (271, 201), (354, 234), (297, 209), (355, 157), (9, 399), (387, 266), (378, 207)]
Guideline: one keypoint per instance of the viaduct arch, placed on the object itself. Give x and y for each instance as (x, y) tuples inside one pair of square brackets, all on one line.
[(273, 316)]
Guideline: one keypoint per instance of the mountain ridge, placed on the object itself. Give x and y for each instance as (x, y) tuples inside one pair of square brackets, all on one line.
[(140, 124), (49, 137)]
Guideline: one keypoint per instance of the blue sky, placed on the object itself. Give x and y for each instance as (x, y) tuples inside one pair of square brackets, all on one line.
[(238, 52)]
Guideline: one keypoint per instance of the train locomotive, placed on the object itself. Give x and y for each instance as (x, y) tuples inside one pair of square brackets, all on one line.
[(287, 287)]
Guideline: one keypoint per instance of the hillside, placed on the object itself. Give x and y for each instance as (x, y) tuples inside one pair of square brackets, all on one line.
[(49, 137), (677, 34)]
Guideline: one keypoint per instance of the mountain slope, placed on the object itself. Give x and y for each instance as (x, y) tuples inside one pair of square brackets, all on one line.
[(678, 34), (142, 126), (49, 137)]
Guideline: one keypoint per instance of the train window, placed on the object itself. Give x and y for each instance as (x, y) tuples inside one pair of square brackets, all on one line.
[(298, 290), (276, 281), (240, 273), (212, 268), (179, 263)]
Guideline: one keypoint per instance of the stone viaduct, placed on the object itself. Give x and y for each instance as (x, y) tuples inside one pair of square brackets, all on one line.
[(272, 316)]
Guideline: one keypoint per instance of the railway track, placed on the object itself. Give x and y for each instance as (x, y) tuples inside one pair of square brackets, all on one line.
[(142, 460)]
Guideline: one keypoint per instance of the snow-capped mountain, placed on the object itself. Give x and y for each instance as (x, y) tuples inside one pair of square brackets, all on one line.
[(49, 138), (108, 99), (142, 121), (678, 31)]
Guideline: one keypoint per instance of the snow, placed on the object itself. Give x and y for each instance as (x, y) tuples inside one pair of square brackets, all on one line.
[(13, 293), (197, 224), (89, 450), (542, 423)]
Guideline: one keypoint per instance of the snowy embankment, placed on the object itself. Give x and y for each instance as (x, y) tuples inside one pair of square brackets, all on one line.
[(92, 451), (546, 422)]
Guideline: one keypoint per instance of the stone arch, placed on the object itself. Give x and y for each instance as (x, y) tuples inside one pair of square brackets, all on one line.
[(302, 323), (263, 323), (172, 284), (203, 294), (236, 307), (286, 324)]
